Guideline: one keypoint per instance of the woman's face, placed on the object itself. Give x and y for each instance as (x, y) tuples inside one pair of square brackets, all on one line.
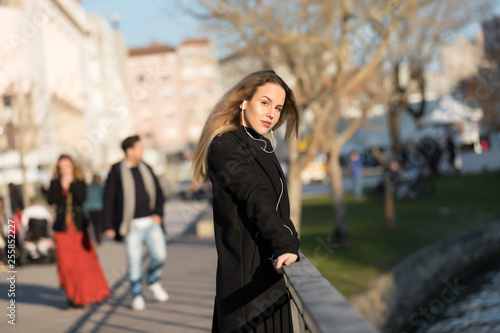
[(65, 167), (263, 111)]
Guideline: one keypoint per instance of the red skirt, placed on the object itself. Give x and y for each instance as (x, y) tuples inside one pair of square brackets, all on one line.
[(80, 273)]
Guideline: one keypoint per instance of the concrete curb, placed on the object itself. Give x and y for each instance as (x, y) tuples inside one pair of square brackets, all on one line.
[(390, 303)]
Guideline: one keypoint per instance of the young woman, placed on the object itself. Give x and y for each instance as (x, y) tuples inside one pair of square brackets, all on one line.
[(79, 271), (253, 232)]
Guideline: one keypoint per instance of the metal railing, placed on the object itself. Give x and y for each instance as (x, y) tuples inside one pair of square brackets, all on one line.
[(317, 307)]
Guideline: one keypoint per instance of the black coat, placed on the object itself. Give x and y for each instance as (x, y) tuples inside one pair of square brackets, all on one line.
[(55, 196), (252, 226), (112, 211)]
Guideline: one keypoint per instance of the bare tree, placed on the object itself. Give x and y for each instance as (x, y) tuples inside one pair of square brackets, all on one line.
[(328, 48), (415, 46), (411, 51)]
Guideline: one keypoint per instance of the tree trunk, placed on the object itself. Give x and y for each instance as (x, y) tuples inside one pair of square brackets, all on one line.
[(338, 204), (295, 185), (394, 131), (394, 119), (389, 211)]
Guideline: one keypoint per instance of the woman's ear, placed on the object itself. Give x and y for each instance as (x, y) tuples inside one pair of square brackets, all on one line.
[(243, 105)]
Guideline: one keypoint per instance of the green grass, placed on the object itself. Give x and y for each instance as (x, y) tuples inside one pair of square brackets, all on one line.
[(460, 202)]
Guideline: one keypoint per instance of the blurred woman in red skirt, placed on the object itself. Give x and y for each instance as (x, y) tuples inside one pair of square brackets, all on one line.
[(80, 273)]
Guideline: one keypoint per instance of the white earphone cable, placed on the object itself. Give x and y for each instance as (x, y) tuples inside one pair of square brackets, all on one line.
[(265, 143)]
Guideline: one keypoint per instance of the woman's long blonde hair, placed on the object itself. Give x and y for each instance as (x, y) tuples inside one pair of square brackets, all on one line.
[(77, 171), (226, 116)]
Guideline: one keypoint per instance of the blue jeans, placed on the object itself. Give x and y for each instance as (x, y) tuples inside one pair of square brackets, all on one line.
[(154, 239), (358, 187)]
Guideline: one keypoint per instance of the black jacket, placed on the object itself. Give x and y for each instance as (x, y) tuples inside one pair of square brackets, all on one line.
[(252, 227), (112, 212), (55, 196)]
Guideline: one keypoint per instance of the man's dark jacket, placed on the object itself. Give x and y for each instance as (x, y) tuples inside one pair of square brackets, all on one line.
[(112, 212)]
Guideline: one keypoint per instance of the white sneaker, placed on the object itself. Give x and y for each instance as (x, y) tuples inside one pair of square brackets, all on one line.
[(138, 303), (159, 293)]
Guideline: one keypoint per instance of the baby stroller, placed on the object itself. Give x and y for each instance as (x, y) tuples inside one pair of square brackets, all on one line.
[(38, 245)]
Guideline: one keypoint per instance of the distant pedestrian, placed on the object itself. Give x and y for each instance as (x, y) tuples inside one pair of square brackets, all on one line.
[(485, 145), (16, 199), (93, 206), (79, 271), (355, 171), (429, 149), (450, 147), (133, 208), (394, 178), (254, 235)]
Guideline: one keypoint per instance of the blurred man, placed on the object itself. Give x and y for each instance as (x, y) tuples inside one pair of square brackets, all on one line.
[(355, 170), (133, 208)]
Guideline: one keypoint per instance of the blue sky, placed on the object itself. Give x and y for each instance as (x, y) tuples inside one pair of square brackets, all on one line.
[(143, 22)]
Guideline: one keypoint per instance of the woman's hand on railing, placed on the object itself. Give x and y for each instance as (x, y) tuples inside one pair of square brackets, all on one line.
[(284, 259)]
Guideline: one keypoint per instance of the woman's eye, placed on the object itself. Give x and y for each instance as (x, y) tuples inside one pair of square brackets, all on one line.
[(278, 109), (265, 103)]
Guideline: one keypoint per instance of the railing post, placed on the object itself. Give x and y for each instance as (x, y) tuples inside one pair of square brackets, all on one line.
[(296, 311)]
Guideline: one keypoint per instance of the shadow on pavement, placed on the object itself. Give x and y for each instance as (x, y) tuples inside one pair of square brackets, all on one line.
[(35, 294)]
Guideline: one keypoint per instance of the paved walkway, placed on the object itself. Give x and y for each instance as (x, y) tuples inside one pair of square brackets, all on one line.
[(189, 278)]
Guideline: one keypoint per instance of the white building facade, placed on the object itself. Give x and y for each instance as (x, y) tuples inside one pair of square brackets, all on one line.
[(62, 83)]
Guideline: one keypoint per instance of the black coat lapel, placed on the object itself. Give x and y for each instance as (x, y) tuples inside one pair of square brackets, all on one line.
[(268, 162), (272, 167)]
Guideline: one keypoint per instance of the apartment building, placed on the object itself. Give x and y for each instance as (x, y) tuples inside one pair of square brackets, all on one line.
[(172, 92)]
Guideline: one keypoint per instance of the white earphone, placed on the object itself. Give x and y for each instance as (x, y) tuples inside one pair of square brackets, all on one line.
[(243, 106)]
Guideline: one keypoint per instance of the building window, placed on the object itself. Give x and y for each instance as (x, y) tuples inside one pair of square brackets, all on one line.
[(8, 131), (169, 112), (8, 110), (187, 54), (208, 71), (194, 132), (164, 74), (145, 114), (188, 74), (139, 94), (190, 93), (197, 113), (172, 133), (7, 99), (166, 92), (193, 112)]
